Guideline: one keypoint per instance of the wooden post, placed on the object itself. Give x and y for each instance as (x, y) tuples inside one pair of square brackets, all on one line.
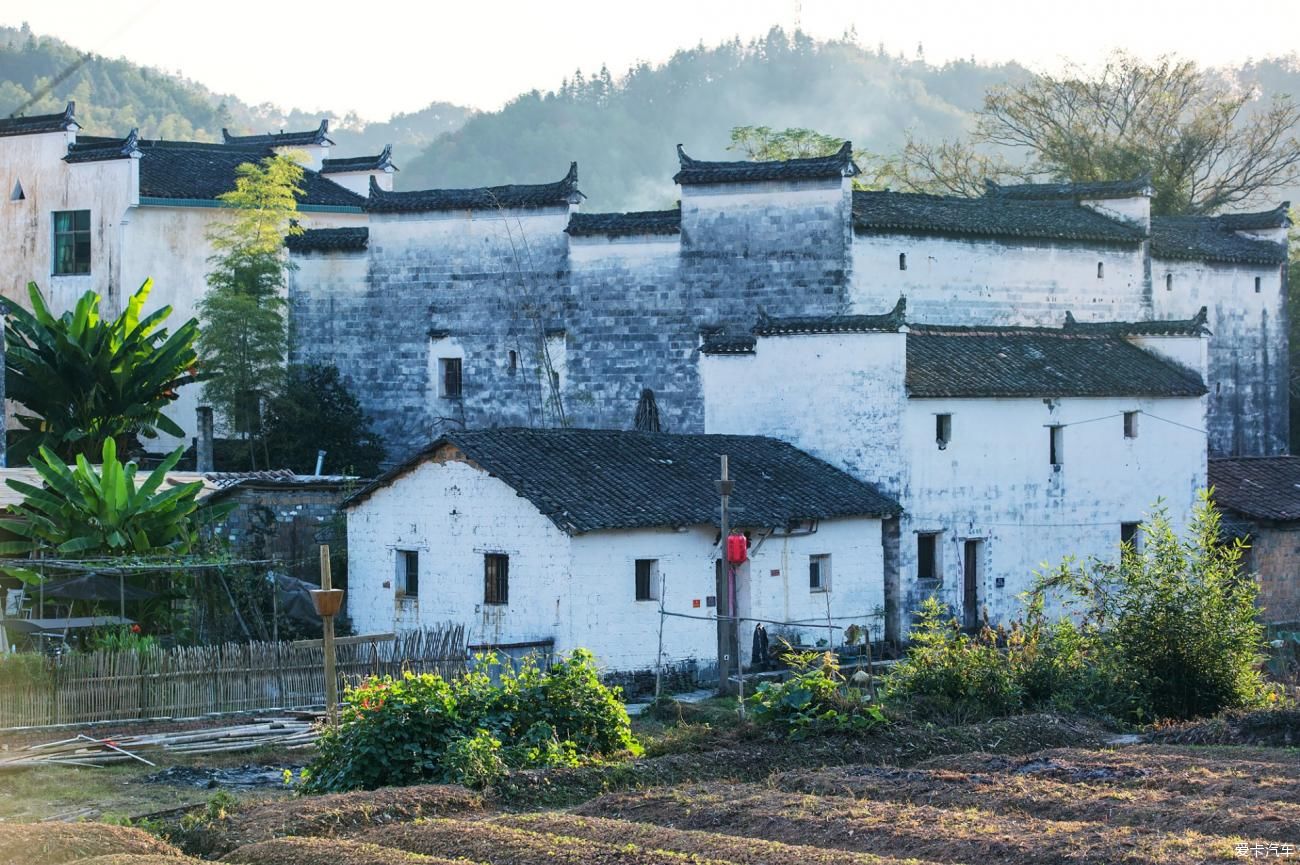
[(725, 613), (328, 601)]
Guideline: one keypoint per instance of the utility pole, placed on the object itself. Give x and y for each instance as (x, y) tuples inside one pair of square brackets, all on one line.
[(727, 632)]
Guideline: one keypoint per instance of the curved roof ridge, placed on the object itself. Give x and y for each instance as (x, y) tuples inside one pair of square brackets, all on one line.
[(283, 138), (518, 195), (838, 164)]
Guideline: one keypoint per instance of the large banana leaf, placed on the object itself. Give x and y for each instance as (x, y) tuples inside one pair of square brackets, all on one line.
[(81, 378)]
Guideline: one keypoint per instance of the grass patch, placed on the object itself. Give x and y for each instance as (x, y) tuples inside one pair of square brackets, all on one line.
[(59, 843), (320, 851)]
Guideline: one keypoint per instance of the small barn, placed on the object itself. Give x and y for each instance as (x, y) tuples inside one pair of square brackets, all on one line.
[(600, 538), (1259, 500)]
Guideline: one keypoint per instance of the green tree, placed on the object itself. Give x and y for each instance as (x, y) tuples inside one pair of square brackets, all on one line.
[(764, 144), (245, 334), (314, 412), (81, 512), (82, 379), (1177, 616)]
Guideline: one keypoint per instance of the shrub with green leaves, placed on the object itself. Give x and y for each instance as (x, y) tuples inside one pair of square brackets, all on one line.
[(470, 730), (952, 675), (814, 699)]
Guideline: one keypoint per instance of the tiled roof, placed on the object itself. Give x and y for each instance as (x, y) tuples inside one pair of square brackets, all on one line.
[(39, 123), (329, 240), (587, 480), (519, 195), (360, 163), (886, 323), (989, 216), (1278, 217), (319, 135), (1092, 190), (1036, 362), (625, 224), (1194, 326), (839, 164), (724, 344), (194, 171), (1213, 238), (94, 149), (1264, 488)]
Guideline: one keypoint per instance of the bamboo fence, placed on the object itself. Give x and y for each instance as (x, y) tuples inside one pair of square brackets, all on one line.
[(192, 681)]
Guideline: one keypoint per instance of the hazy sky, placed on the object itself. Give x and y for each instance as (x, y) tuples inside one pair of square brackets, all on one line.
[(395, 55)]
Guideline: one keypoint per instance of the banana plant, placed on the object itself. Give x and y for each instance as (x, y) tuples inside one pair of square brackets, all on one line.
[(80, 511), (82, 379)]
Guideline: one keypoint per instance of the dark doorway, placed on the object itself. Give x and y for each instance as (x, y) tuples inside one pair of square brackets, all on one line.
[(970, 584)]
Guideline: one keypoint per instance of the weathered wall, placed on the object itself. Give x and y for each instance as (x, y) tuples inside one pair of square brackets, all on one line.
[(993, 482), (956, 280), (1274, 557), (631, 309), (106, 189), (1248, 372), (453, 513), (581, 591), (284, 523)]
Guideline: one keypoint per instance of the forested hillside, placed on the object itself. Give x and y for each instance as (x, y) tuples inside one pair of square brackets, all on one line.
[(622, 131), (115, 96)]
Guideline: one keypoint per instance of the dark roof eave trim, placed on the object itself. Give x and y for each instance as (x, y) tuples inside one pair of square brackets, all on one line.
[(860, 228), (151, 201)]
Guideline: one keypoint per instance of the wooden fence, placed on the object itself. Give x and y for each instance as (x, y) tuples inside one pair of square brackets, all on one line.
[(199, 680)]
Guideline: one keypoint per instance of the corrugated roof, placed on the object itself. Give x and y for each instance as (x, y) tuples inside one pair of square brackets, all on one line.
[(1214, 238), (195, 171), (329, 240), (39, 123), (586, 480)]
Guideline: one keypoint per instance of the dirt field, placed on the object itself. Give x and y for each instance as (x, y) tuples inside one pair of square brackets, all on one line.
[(904, 796)]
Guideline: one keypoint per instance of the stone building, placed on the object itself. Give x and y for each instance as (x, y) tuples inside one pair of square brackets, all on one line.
[(508, 305), (86, 212), (576, 536), (1259, 499)]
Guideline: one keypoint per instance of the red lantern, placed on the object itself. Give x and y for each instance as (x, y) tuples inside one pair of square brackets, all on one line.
[(737, 549)]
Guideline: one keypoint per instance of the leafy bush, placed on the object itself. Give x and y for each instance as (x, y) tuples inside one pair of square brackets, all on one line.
[(1180, 633), (953, 675), (814, 699), (470, 730), (1170, 631), (122, 639)]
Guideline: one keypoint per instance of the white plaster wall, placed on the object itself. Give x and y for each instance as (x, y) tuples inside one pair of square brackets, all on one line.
[(490, 232), (453, 513), (774, 583), (1136, 209), (1221, 287), (629, 251), (977, 281), (993, 482), (838, 396), (359, 181), (170, 244), (106, 189)]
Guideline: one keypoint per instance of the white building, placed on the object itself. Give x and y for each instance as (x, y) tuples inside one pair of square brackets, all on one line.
[(84, 212), (1009, 448), (577, 536)]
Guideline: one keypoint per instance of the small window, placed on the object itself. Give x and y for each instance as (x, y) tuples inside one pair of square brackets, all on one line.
[(942, 430), (408, 573), (512, 357), (1129, 535), (902, 261), (1056, 445), (19, 195), (647, 579), (71, 242), (819, 573), (1101, 270), (449, 372), (496, 579), (1257, 285), (1169, 282), (1130, 424), (927, 556)]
